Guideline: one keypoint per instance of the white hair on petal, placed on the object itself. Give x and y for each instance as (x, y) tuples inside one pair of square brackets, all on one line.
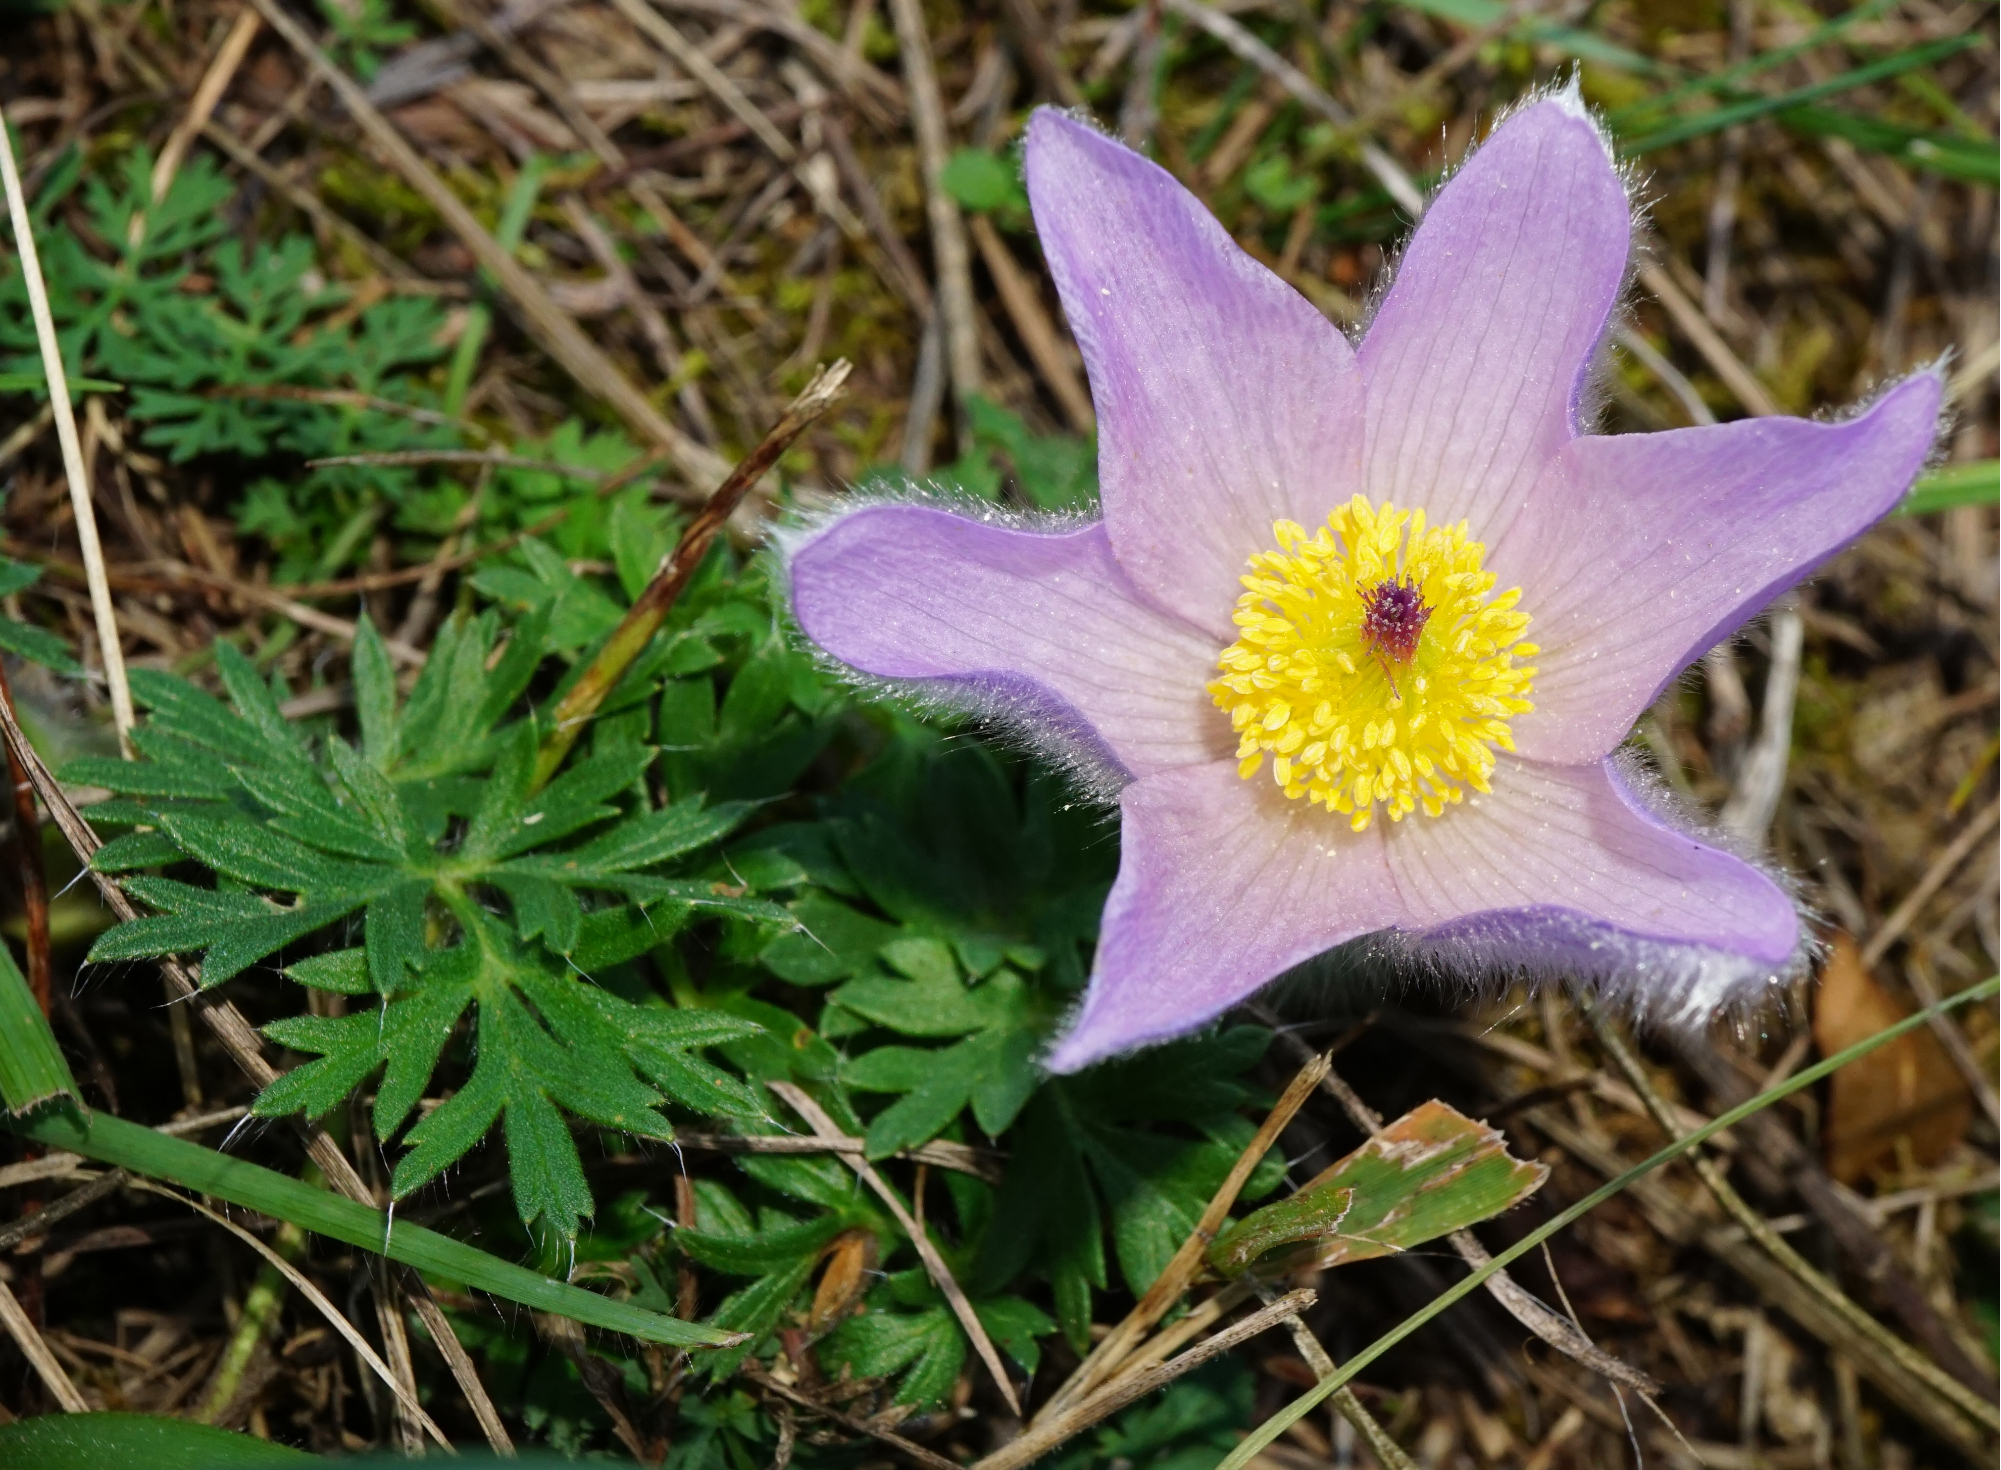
[(1658, 984), (1020, 720), (1567, 94)]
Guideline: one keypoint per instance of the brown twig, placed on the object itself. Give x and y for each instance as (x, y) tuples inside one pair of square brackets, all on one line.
[(34, 877), (934, 1264), (80, 1198), (650, 609)]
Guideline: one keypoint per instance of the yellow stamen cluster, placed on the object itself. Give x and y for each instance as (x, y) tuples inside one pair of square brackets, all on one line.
[(1352, 725)]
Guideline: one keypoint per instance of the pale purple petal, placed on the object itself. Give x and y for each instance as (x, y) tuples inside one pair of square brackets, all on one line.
[(1476, 361), (1225, 885), (1042, 626), (1225, 401), (1565, 870), (1638, 552), (1222, 884)]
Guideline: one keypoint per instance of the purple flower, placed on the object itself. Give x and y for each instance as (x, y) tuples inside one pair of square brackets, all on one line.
[(1296, 645)]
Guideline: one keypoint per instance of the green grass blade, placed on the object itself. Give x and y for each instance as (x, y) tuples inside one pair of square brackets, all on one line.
[(1478, 15), (1750, 108), (32, 1069), (1976, 482), (1974, 161), (92, 1441), (1727, 79), (479, 316), (1270, 1430), (114, 1141)]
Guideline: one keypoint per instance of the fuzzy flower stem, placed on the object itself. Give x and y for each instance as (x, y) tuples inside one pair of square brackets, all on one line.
[(646, 615)]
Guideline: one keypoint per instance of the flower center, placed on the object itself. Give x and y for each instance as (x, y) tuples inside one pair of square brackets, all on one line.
[(1376, 666)]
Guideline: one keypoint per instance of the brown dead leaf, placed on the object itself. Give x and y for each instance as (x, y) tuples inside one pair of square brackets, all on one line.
[(850, 1259), (1908, 1089)]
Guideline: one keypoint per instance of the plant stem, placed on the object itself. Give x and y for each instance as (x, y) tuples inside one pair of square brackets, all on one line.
[(650, 611), (261, 1305)]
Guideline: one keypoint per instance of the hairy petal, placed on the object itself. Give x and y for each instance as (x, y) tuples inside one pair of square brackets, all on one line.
[(1476, 361), (1045, 627), (1225, 401), (1563, 870), (1637, 552), (1222, 884)]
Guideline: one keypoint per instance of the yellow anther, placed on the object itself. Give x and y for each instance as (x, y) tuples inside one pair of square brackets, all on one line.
[(1403, 719)]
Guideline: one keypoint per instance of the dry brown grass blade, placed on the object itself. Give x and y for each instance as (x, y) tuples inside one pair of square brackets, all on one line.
[(876, 95), (1705, 339), (548, 323), (1880, 1340), (74, 468), (1051, 1430), (1667, 1213), (934, 1264), (201, 107), (1956, 1047), (1174, 1279), (1941, 869), (36, 1351), (1039, 335), (949, 254), (649, 610), (690, 58), (28, 861), (405, 1396), (1239, 39), (298, 612)]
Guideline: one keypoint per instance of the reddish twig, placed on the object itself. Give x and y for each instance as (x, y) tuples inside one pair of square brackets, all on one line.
[(651, 609)]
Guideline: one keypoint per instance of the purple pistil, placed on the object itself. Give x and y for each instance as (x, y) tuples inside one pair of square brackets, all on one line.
[(1393, 620)]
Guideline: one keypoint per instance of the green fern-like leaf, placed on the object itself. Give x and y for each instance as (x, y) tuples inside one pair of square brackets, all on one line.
[(479, 901)]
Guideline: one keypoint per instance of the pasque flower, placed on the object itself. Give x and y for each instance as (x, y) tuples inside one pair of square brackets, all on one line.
[(1363, 626)]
